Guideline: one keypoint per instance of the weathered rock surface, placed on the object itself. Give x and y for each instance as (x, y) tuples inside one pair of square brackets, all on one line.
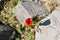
[(27, 9), (6, 32), (49, 31)]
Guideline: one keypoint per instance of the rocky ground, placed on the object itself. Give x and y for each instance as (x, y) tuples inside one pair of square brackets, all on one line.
[(30, 8)]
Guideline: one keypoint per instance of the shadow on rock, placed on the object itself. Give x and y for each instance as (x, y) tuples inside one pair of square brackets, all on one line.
[(47, 22), (6, 32)]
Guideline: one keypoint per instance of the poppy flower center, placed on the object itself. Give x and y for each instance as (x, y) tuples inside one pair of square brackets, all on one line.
[(28, 22)]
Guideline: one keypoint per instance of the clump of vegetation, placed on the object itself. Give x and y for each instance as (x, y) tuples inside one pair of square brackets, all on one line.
[(26, 32), (6, 14), (49, 4)]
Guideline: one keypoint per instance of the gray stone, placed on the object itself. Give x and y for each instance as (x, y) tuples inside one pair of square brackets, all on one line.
[(25, 10), (36, 1), (50, 31)]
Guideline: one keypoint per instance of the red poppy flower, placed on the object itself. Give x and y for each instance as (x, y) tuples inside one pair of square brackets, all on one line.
[(28, 22)]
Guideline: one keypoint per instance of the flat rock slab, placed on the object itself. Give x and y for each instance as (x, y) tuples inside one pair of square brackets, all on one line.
[(26, 10), (52, 30)]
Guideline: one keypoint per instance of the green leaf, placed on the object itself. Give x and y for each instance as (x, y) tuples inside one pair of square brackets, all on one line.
[(27, 28), (18, 39), (19, 31)]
